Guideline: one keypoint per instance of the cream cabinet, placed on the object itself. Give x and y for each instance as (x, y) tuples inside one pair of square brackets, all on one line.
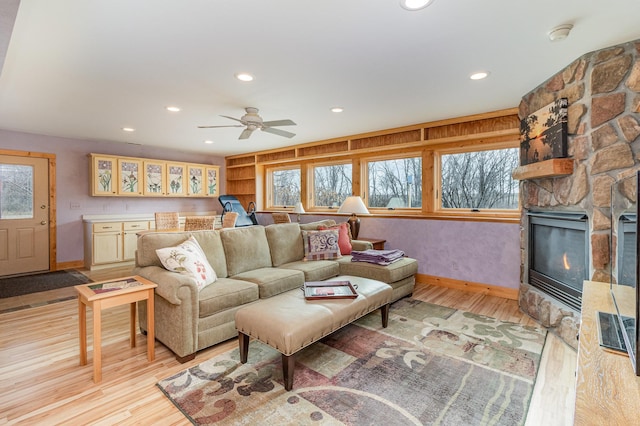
[(109, 243), (128, 176)]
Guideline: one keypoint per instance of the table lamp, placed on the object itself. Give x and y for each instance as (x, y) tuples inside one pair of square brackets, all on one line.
[(354, 205), (298, 209)]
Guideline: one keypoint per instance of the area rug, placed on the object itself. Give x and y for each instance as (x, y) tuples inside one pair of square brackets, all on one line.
[(27, 284), (433, 365)]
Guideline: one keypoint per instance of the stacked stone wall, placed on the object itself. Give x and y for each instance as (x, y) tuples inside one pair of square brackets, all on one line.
[(603, 90)]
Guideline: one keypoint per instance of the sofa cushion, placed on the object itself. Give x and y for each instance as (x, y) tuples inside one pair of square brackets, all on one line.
[(187, 258), (246, 249), (212, 247), (321, 245), (344, 236), (318, 270), (396, 271), (313, 226), (272, 281), (285, 243), (225, 294)]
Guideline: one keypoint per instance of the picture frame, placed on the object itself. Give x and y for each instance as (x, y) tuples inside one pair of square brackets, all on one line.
[(543, 134)]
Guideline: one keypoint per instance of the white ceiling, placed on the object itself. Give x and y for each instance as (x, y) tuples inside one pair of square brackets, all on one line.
[(86, 68)]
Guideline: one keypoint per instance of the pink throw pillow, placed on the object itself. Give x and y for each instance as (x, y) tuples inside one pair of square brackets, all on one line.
[(344, 236)]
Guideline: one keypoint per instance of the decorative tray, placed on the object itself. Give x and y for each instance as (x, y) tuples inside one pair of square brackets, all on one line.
[(314, 290)]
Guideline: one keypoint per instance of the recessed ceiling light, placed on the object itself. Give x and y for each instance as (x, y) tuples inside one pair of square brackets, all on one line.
[(415, 4), (243, 76), (479, 75), (337, 109), (173, 109), (208, 142), (128, 129)]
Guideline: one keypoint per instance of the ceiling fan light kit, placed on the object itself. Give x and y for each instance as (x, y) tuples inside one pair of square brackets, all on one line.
[(252, 121)]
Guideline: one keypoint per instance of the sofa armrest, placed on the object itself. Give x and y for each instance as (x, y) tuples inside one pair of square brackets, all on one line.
[(361, 245), (170, 284)]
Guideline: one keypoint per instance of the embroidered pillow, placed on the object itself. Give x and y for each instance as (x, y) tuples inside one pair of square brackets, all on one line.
[(344, 236), (188, 258), (321, 245)]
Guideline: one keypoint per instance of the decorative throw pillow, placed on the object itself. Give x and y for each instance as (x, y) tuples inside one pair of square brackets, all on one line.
[(344, 236), (321, 245), (188, 258)]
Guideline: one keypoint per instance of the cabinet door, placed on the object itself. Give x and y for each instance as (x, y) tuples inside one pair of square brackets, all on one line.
[(212, 174), (196, 180), (129, 176), (104, 175), (130, 238), (107, 247), (176, 179), (155, 178)]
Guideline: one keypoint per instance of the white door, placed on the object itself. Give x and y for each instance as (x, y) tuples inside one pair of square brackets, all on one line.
[(24, 215)]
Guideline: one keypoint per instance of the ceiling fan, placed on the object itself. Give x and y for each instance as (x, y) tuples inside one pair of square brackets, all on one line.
[(252, 121)]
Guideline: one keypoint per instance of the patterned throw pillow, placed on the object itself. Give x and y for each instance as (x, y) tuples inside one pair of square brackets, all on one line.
[(188, 258), (321, 245), (344, 236)]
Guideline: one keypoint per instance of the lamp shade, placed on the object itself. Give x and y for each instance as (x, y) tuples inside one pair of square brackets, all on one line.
[(298, 208), (353, 205)]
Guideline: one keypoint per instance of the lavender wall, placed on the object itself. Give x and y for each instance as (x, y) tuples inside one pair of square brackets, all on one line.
[(479, 252), (73, 184)]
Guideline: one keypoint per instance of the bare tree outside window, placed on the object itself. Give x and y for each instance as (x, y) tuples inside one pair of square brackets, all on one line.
[(331, 185), (395, 183), (16, 191), (480, 180), (286, 187)]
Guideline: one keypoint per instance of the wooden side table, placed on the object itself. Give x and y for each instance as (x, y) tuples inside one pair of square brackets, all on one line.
[(101, 295), (378, 244)]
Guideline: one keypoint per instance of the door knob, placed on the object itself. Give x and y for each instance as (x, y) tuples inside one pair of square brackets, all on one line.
[(44, 206), (44, 222)]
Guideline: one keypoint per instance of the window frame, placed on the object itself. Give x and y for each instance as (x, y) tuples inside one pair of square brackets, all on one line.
[(437, 181), (269, 185), (311, 203), (364, 181)]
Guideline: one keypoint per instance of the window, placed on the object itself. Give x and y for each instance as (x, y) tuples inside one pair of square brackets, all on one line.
[(479, 179), (16, 191), (395, 183), (331, 185), (284, 187)]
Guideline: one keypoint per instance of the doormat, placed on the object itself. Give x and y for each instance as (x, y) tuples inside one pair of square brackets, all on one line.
[(432, 365), (27, 284)]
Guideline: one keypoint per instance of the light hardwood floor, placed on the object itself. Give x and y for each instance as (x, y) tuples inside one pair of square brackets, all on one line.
[(43, 383)]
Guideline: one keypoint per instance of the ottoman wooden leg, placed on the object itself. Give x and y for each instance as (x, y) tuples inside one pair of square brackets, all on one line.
[(243, 340), (384, 312), (288, 363)]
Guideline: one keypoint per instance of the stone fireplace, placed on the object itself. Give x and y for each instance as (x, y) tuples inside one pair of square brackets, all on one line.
[(603, 90)]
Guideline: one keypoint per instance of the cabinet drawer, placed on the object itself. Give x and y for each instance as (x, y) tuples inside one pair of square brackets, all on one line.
[(136, 226), (107, 227)]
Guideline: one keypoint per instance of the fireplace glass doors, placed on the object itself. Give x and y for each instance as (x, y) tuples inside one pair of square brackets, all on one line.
[(558, 255)]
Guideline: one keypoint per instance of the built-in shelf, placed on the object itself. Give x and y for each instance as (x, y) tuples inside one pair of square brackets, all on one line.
[(542, 169)]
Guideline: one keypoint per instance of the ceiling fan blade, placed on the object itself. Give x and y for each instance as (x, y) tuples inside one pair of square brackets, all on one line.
[(213, 127), (278, 132), (245, 133), (232, 118), (279, 123)]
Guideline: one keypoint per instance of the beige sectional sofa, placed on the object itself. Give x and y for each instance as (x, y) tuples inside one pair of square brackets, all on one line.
[(251, 263)]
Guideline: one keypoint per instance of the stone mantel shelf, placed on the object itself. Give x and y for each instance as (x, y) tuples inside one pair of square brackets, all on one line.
[(542, 169)]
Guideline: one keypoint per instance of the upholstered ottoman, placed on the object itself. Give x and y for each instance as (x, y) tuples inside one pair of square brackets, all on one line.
[(288, 322)]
